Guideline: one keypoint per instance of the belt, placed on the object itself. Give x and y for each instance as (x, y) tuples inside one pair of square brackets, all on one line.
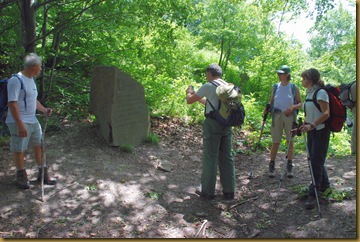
[(276, 110)]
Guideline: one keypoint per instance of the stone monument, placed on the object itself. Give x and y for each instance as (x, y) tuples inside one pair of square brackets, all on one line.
[(118, 102)]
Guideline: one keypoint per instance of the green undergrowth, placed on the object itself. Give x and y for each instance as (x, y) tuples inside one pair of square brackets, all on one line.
[(330, 193)]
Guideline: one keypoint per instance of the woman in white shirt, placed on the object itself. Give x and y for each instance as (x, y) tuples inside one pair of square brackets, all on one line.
[(318, 132)]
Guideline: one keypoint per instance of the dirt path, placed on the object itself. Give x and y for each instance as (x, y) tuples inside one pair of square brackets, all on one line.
[(103, 192)]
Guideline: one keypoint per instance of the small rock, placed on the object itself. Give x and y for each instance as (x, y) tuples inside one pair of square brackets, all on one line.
[(195, 158), (165, 166)]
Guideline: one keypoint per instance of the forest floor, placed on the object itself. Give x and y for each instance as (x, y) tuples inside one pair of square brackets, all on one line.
[(105, 192)]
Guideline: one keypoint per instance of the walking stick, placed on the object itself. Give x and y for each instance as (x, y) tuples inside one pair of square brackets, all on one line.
[(312, 176), (43, 158), (261, 132)]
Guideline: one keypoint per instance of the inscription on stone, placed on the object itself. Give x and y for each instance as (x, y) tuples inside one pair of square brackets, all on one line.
[(118, 102)]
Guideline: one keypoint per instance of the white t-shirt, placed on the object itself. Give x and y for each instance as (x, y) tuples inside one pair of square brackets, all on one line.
[(15, 93), (312, 112), (208, 90)]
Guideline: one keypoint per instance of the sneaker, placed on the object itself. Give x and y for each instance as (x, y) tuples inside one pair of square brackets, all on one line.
[(22, 180), (289, 170), (47, 179), (229, 195), (310, 202), (203, 195), (272, 169)]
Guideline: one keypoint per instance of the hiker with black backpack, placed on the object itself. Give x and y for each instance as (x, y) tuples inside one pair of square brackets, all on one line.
[(217, 139), (318, 133), (25, 129), (284, 103)]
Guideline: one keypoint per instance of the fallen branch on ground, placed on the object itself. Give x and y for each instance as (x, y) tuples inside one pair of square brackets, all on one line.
[(238, 204), (201, 228)]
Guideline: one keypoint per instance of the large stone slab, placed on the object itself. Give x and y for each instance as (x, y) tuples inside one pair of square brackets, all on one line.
[(118, 102)]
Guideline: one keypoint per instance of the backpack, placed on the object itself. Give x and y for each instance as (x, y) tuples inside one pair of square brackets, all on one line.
[(345, 95), (337, 109), (4, 95), (231, 111), (293, 90)]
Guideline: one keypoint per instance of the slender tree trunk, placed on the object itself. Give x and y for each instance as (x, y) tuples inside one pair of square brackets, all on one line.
[(42, 95), (28, 25)]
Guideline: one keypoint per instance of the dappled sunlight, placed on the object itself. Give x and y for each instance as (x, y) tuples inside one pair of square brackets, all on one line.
[(103, 192)]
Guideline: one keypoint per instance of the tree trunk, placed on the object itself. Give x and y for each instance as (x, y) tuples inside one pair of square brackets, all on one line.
[(28, 24)]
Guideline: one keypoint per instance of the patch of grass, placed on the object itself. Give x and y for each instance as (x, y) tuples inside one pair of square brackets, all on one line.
[(337, 195), (91, 187), (152, 139), (301, 190), (153, 195), (127, 148)]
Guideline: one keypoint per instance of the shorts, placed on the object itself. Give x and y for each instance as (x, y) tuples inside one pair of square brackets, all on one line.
[(33, 138), (281, 122)]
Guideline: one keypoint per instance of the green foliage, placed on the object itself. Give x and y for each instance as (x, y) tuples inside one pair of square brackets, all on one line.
[(329, 193), (166, 46), (152, 138), (127, 148), (301, 190), (4, 140), (337, 195), (339, 144), (153, 195)]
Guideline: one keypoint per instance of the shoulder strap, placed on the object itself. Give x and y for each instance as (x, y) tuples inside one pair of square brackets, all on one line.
[(293, 89), (218, 82), (315, 100), (21, 87), (349, 93), (275, 86)]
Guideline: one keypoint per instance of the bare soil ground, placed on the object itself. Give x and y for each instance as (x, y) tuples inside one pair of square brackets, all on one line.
[(104, 192)]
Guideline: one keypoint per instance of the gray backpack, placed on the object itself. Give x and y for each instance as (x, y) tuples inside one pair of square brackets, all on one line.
[(345, 95)]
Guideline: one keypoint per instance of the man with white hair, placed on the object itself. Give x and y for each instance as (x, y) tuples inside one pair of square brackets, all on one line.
[(25, 129)]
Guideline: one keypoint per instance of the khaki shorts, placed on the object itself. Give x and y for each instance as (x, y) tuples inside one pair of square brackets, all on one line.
[(280, 123), (33, 138)]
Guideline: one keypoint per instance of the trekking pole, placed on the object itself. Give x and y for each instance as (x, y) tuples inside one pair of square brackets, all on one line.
[(293, 132), (312, 175), (261, 132), (43, 158)]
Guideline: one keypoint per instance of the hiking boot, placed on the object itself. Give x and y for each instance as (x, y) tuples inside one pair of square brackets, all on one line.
[(310, 202), (22, 180), (229, 195), (204, 195), (47, 179), (272, 169), (289, 170)]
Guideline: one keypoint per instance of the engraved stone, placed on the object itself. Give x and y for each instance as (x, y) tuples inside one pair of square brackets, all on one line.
[(118, 102)]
